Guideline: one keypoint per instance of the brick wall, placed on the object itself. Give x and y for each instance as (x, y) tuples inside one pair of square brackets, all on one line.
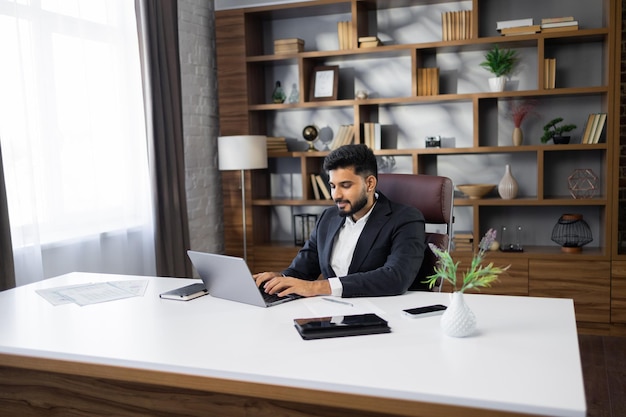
[(200, 123)]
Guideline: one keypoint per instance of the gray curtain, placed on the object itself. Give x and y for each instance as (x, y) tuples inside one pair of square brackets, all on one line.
[(167, 156), (7, 271)]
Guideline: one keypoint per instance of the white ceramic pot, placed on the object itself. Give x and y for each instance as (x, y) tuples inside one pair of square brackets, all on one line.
[(497, 84)]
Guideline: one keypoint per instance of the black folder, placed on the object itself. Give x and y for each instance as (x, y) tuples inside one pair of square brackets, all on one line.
[(338, 326)]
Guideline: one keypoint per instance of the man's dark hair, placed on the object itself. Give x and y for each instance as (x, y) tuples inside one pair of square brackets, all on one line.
[(358, 156)]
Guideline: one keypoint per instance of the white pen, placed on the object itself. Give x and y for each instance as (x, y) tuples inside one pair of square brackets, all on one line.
[(332, 300)]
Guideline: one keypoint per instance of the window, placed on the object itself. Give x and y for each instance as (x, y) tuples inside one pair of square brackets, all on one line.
[(72, 128)]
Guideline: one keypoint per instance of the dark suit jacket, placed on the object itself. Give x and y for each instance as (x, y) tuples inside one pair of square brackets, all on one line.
[(387, 257)]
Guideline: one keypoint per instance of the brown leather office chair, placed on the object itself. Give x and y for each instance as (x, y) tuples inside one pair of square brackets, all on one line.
[(434, 197)]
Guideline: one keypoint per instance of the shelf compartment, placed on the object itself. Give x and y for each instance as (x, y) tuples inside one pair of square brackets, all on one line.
[(295, 21), (570, 72), (492, 11), (559, 166), (538, 221)]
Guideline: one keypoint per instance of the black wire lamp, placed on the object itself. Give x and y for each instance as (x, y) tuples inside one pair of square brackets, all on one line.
[(572, 233)]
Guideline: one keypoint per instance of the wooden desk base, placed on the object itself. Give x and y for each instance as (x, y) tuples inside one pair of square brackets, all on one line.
[(28, 392)]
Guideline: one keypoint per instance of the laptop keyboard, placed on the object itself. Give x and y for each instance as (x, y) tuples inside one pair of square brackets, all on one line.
[(272, 298)]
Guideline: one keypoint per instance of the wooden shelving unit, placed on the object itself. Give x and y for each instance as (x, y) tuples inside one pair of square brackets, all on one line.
[(586, 82)]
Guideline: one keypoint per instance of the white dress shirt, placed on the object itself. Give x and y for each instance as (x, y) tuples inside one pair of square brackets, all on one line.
[(343, 250)]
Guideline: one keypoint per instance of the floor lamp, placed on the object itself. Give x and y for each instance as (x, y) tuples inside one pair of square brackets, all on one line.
[(242, 153)]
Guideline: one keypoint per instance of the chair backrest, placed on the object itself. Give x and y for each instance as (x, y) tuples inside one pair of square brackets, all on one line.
[(432, 195)]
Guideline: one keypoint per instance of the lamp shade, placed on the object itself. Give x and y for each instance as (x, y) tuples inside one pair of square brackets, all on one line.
[(242, 152)]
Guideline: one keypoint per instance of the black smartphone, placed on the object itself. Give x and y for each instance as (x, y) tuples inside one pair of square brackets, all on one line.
[(425, 311)]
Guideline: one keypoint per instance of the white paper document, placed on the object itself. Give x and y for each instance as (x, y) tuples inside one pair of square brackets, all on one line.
[(85, 294)]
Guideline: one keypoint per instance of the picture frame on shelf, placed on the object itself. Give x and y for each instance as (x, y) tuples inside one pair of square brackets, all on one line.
[(324, 83)]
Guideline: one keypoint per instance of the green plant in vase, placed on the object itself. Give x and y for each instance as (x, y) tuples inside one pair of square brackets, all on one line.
[(500, 62), (475, 276), (554, 132), (458, 320)]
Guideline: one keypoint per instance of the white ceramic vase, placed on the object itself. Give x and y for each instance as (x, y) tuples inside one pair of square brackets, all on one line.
[(458, 320), (507, 188), (496, 84)]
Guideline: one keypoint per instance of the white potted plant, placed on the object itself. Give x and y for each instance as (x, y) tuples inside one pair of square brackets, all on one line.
[(500, 62), (458, 320)]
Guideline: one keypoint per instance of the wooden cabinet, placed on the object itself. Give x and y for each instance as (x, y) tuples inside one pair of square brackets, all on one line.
[(618, 292), (588, 283), (475, 124)]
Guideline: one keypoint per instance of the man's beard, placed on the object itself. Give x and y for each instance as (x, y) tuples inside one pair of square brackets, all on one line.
[(354, 207)]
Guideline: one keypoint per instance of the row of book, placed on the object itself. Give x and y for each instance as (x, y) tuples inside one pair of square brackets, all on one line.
[(372, 135), (276, 144), (427, 81), (463, 241), (593, 128), (288, 46), (344, 136), (369, 42), (456, 25), (320, 189), (527, 26), (549, 73), (343, 34)]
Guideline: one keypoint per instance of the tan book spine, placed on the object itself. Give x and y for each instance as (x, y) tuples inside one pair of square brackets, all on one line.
[(559, 29), (323, 187), (587, 130), (600, 128), (316, 191), (435, 81), (340, 38), (349, 138), (594, 126)]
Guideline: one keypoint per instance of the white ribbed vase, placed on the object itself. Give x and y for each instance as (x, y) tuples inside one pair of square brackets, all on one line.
[(507, 188), (458, 320)]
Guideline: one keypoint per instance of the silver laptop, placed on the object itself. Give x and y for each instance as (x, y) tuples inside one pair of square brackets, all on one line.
[(229, 277)]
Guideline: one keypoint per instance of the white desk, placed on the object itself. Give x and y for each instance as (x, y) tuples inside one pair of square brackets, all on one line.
[(523, 359)]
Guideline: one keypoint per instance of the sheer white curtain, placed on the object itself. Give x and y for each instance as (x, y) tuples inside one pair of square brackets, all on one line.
[(73, 138)]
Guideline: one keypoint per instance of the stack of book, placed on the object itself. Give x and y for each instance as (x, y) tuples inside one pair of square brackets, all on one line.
[(549, 73), (320, 189), (456, 25), (516, 27), (463, 241), (276, 144), (369, 42), (593, 128), (343, 33), (288, 46), (372, 135), (427, 81), (344, 136), (558, 24)]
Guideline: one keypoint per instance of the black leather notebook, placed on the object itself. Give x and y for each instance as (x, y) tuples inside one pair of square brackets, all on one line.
[(338, 326), (186, 293)]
